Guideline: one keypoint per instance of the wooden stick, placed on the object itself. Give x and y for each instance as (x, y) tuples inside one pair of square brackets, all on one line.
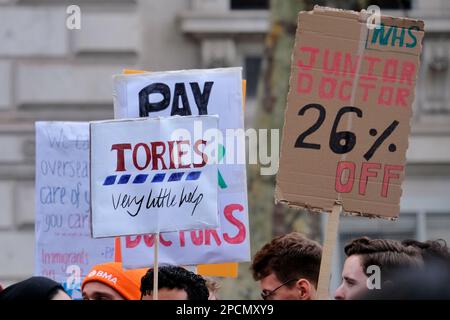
[(329, 245), (155, 268)]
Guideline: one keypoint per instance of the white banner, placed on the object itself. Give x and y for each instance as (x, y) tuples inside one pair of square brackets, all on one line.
[(151, 175), (193, 92), (196, 246), (65, 250)]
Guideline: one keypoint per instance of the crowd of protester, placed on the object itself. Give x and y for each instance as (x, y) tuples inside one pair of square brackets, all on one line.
[(286, 268)]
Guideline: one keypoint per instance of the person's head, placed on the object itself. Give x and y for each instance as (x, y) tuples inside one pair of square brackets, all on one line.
[(34, 288), (174, 283), (387, 255), (287, 267), (430, 283), (108, 281), (433, 251)]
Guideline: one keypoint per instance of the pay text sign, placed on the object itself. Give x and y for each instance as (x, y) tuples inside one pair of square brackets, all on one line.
[(183, 93), (349, 107), (153, 175)]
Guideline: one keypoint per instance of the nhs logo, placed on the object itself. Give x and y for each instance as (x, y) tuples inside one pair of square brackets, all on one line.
[(392, 37)]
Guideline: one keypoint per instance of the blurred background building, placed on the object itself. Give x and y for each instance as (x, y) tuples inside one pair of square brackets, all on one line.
[(48, 72)]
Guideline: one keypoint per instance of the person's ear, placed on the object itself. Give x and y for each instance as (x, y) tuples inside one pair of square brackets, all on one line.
[(304, 289)]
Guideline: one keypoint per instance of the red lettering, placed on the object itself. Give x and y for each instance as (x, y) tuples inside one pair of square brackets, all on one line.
[(228, 212), (197, 239), (149, 239), (132, 243), (182, 239), (366, 88), (323, 85), (345, 83), (182, 153), (349, 67), (147, 156), (197, 151), (158, 155), (383, 99), (365, 173), (154, 152), (341, 167), (370, 71), (216, 237), (407, 73), (171, 154), (334, 68), (387, 176), (121, 147), (166, 243), (312, 57), (402, 95), (307, 89), (390, 70)]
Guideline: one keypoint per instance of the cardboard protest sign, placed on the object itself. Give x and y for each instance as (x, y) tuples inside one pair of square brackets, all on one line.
[(65, 250), (153, 175), (216, 91), (348, 112)]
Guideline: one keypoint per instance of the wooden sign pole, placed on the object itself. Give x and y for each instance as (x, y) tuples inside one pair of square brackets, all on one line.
[(155, 268), (329, 245)]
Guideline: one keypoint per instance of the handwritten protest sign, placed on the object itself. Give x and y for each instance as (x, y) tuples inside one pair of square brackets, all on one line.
[(65, 250), (153, 175), (349, 106), (217, 91), (347, 119)]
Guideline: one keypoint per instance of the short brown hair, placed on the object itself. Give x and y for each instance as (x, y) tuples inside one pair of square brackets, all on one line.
[(431, 250), (291, 256), (389, 255)]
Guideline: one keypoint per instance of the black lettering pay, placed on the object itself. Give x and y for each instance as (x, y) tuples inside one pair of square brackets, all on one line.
[(201, 98)]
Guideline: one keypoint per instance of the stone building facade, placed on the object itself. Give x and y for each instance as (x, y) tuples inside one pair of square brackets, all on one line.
[(48, 72)]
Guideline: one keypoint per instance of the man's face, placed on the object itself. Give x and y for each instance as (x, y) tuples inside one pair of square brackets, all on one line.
[(168, 294), (288, 291), (354, 280), (95, 290)]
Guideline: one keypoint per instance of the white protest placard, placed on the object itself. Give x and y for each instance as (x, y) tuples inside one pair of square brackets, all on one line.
[(65, 251), (193, 92), (151, 175), (193, 247)]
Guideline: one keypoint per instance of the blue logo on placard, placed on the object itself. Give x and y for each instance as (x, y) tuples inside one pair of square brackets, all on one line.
[(158, 177)]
